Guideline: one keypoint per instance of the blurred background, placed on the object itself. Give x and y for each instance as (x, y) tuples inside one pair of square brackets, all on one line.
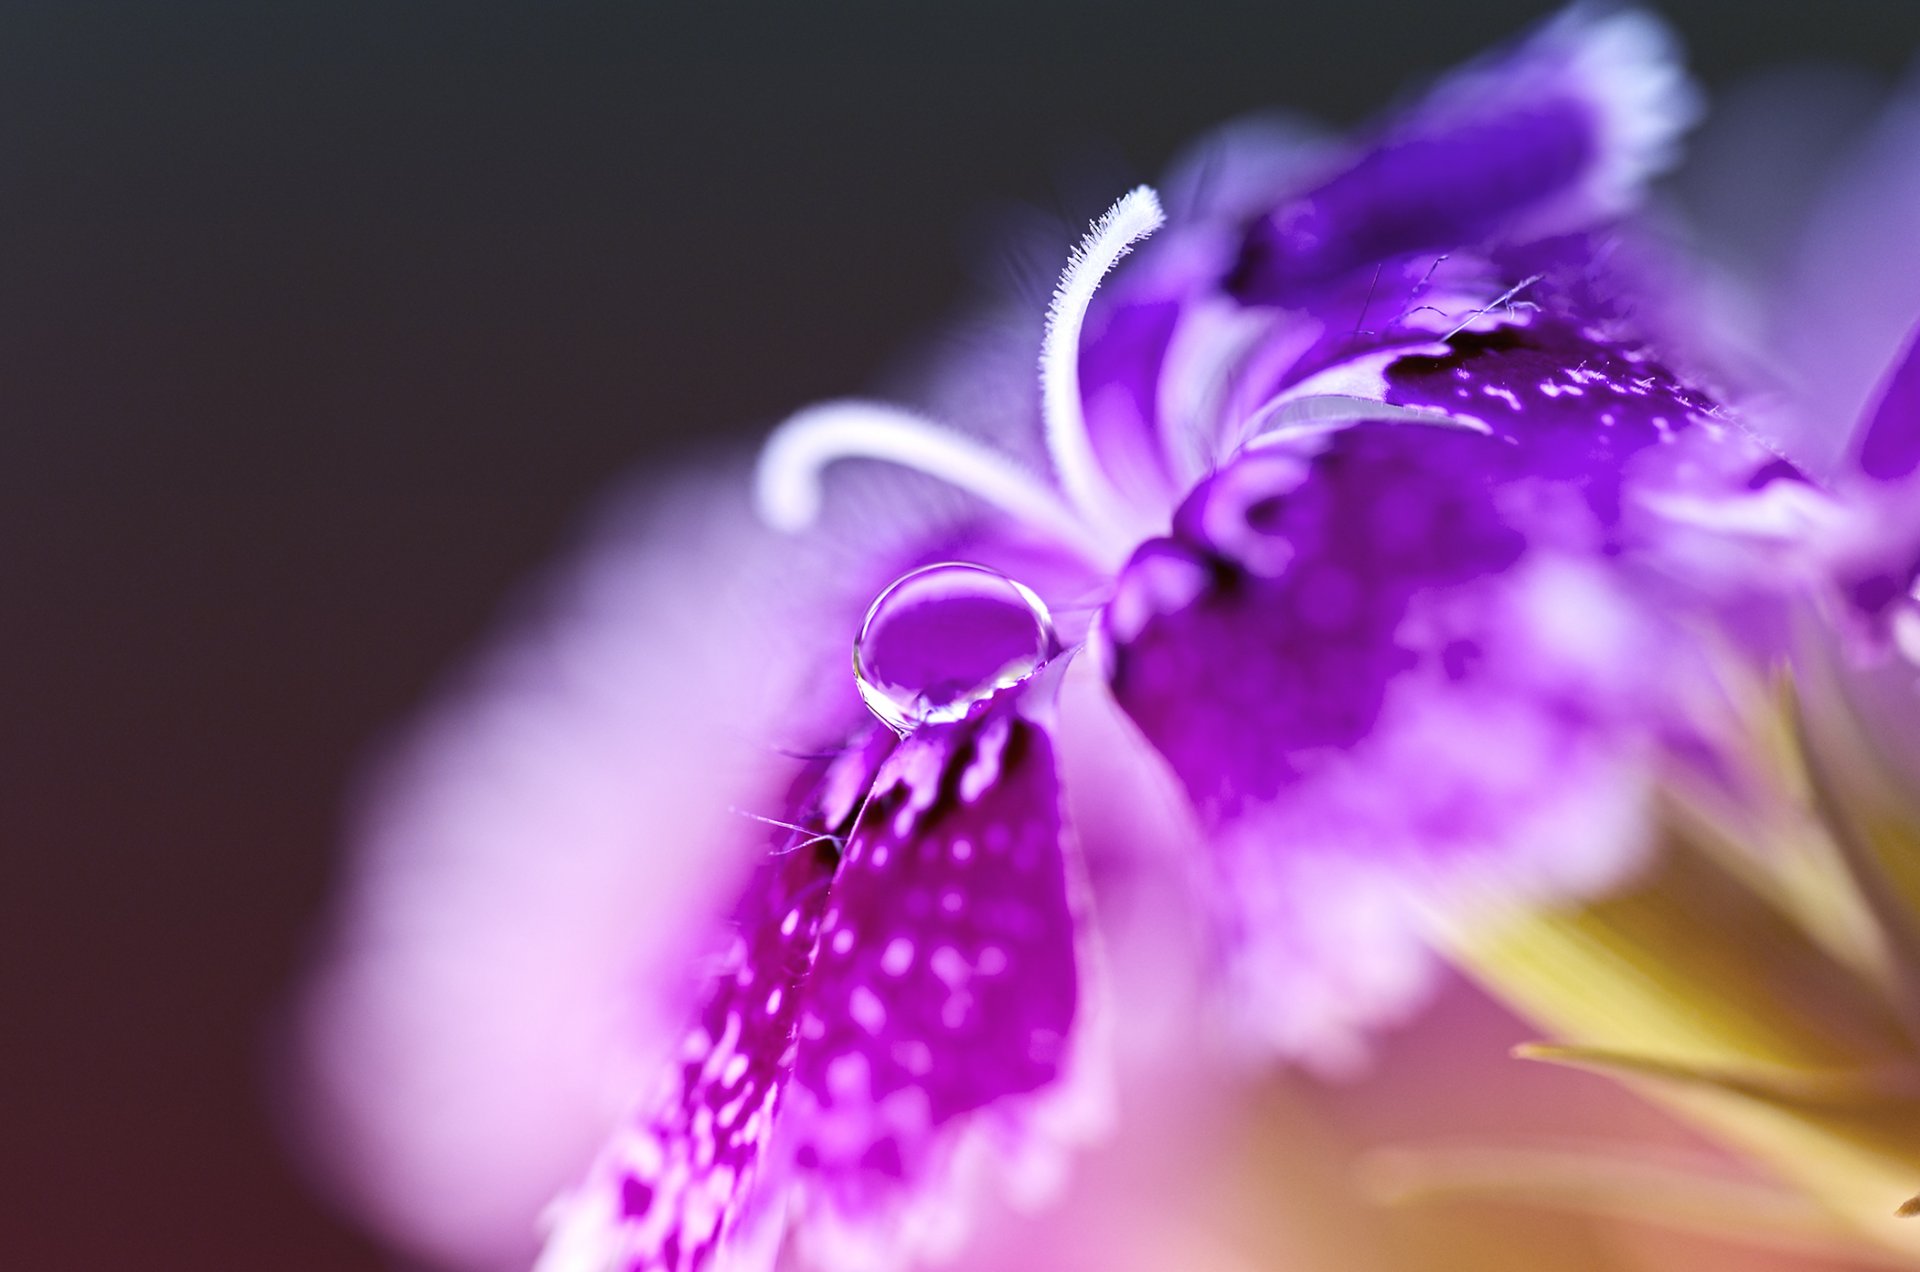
[(322, 325)]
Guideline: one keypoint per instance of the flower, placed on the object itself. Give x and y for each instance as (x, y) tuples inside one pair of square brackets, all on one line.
[(1389, 479), (1380, 529)]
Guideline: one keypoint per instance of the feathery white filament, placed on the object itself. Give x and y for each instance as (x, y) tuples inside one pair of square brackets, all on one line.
[(787, 480), (1135, 216)]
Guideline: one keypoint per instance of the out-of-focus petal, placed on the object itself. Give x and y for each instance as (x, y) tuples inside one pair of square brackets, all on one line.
[(1561, 132), (529, 861), (1872, 549)]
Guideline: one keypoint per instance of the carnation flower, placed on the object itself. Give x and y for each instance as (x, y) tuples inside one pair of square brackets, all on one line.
[(1387, 475), (1375, 523)]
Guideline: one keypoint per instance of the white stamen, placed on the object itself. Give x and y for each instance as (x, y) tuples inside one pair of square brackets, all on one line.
[(787, 479), (1135, 216)]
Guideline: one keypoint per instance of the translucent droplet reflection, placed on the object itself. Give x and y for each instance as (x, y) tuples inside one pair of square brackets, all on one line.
[(945, 637)]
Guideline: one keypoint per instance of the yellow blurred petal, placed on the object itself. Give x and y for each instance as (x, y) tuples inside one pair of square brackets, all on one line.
[(1802, 1089), (1701, 993), (1700, 1198)]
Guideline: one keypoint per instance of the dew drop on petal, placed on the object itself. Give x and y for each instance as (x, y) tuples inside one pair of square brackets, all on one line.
[(945, 637)]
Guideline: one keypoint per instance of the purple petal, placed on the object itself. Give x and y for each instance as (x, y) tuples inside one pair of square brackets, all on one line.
[(1890, 448), (1404, 304), (948, 980), (1617, 454), (671, 1188), (1872, 556), (1268, 627), (1519, 778), (1560, 133), (1406, 658), (1130, 347), (1323, 948), (876, 1004), (1409, 704)]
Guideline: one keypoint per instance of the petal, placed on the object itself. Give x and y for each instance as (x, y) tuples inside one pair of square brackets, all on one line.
[(1402, 665), (1632, 457), (669, 1191), (1266, 629), (1870, 554), (1572, 402), (888, 1021), (940, 1022), (1558, 134)]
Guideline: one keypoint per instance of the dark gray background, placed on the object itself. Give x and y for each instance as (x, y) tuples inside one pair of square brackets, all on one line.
[(319, 325)]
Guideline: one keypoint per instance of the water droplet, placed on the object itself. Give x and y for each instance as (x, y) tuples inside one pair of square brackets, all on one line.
[(945, 637)]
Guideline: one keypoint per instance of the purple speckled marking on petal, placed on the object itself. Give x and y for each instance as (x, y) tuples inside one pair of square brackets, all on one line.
[(1394, 664), (905, 960), (670, 1188), (1571, 404), (1890, 444), (947, 977)]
